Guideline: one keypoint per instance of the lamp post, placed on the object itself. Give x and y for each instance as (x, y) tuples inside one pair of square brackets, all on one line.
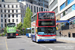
[(23, 30)]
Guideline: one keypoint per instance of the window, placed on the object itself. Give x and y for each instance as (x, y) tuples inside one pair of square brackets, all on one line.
[(1, 10), (27, 5), (2, 0), (1, 20), (5, 15), (4, 6), (8, 6), (16, 11), (37, 9), (16, 6), (13, 15), (12, 11), (12, 6), (16, 20), (9, 15), (5, 11), (0, 5), (8, 11), (31, 8), (8, 20), (12, 20), (1, 25), (62, 6), (73, 7), (1, 15), (5, 20), (34, 9), (16, 15), (69, 1)]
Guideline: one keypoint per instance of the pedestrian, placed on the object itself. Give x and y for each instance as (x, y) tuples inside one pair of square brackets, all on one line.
[(60, 33)]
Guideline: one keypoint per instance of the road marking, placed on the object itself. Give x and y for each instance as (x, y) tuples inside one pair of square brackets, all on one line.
[(6, 44), (37, 44)]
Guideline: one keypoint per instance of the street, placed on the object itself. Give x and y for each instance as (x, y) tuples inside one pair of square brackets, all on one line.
[(24, 43)]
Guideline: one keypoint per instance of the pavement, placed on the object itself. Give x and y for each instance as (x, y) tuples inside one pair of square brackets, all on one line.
[(66, 39), (24, 43)]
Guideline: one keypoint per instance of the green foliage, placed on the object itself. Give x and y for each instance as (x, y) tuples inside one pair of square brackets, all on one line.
[(19, 27), (27, 19)]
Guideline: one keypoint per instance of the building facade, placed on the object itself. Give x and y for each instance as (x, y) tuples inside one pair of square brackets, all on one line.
[(64, 10), (10, 13)]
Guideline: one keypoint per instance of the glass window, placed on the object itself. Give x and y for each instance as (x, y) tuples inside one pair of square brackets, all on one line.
[(12, 6), (1, 20), (8, 11), (46, 30), (13, 15), (1, 10), (8, 20), (9, 15), (5, 20), (37, 9), (0, 5), (5, 15), (1, 15), (31, 8), (16, 11), (2, 0), (8, 6), (46, 23), (4, 6), (16, 15), (16, 20), (69, 1), (62, 6), (73, 7), (5, 11), (46, 15), (12, 11), (1, 25), (12, 20), (34, 9)]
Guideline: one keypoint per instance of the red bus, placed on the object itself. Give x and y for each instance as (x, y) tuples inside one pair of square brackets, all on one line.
[(43, 26)]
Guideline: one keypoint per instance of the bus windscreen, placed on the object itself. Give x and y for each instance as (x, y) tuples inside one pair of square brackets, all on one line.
[(46, 30), (46, 23), (46, 15), (11, 24), (28, 31)]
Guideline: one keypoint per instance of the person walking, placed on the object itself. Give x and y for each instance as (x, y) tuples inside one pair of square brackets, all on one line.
[(60, 33)]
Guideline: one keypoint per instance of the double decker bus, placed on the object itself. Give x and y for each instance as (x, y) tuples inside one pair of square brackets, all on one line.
[(43, 26), (28, 32), (11, 30)]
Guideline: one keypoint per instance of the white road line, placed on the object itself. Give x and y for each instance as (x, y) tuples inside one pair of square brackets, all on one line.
[(37, 44)]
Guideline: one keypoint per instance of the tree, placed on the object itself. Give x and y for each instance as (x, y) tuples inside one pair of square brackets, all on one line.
[(27, 18), (19, 27)]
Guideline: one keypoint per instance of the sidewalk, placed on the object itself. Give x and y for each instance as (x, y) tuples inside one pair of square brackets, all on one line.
[(66, 39)]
